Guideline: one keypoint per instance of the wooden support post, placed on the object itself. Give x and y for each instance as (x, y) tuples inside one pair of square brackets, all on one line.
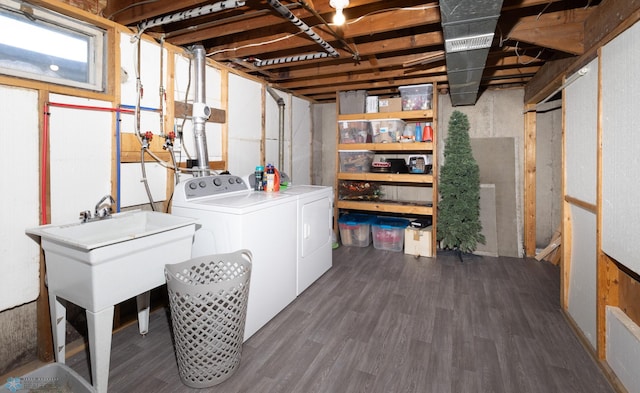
[(530, 180)]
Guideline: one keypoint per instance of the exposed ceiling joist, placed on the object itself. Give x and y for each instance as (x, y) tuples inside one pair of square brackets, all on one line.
[(563, 30), (394, 40)]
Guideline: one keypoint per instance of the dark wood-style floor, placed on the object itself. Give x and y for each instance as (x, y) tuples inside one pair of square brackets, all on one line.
[(380, 321)]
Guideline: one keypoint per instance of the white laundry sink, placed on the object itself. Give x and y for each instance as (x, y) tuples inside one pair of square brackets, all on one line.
[(103, 262), (118, 228), (98, 264)]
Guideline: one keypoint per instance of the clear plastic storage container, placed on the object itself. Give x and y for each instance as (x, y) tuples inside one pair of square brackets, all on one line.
[(355, 131), (416, 97), (356, 161), (388, 233), (387, 130), (355, 229)]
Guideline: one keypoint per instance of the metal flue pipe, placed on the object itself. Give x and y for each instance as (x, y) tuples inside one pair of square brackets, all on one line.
[(201, 111), (280, 102)]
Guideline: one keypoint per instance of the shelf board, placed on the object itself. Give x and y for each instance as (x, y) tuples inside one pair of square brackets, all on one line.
[(393, 146), (405, 115), (386, 207), (388, 177)]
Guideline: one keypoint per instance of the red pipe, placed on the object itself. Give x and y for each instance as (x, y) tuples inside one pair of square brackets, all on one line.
[(43, 165), (45, 147)]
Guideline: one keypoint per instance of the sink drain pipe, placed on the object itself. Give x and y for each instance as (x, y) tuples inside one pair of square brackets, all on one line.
[(280, 102)]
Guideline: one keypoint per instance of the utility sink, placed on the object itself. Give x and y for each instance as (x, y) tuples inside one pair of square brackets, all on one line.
[(120, 227), (104, 262), (101, 263)]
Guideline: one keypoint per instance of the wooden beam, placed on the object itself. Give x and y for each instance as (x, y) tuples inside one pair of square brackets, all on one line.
[(43, 317), (130, 149), (530, 180), (373, 24), (184, 110), (563, 30), (609, 19), (547, 80)]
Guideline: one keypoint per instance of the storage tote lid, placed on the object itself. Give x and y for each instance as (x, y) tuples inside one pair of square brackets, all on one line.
[(355, 219), (391, 223)]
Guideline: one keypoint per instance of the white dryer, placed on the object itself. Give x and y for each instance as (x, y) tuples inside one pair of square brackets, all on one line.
[(232, 217), (314, 229)]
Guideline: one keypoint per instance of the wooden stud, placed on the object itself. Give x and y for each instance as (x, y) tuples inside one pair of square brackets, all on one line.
[(530, 180), (565, 211), (43, 319)]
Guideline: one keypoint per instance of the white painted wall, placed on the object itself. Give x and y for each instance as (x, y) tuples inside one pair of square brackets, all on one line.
[(582, 275), (623, 348), (80, 157), (245, 124), (301, 141), (619, 95), (620, 158), (581, 122), (20, 258), (581, 110)]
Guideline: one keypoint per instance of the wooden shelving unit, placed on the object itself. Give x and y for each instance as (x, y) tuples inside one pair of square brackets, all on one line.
[(426, 181)]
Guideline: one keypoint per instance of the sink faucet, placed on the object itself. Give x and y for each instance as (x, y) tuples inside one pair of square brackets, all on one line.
[(104, 212), (99, 211)]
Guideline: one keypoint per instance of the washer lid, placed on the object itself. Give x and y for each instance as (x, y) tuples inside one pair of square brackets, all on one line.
[(240, 203)]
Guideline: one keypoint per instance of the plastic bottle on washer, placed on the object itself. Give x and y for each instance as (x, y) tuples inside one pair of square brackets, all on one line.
[(259, 173), (271, 178)]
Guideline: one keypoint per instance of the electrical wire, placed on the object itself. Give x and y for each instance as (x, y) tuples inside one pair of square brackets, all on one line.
[(256, 44), (348, 23), (426, 7)]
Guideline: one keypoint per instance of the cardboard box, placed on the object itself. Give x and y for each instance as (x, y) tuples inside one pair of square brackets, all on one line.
[(372, 104), (417, 241), (390, 104), (352, 101)]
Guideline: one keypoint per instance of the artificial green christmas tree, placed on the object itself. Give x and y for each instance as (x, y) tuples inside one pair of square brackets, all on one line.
[(459, 207)]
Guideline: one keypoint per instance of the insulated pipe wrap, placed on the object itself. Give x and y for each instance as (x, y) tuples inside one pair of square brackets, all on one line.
[(284, 11), (195, 12)]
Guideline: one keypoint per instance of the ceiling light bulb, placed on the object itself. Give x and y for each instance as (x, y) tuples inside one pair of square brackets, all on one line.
[(338, 18), (339, 5)]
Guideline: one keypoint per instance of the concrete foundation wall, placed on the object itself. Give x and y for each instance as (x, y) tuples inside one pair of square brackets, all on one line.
[(18, 341)]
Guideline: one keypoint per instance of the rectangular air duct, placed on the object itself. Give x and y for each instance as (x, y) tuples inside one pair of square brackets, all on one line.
[(468, 28)]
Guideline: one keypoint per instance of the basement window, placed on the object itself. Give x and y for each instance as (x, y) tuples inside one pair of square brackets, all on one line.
[(36, 43)]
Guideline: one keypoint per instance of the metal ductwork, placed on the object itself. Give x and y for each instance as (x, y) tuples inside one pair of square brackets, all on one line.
[(468, 27), (201, 111)]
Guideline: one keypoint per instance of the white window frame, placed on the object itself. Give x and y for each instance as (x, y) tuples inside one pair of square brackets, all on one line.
[(96, 37)]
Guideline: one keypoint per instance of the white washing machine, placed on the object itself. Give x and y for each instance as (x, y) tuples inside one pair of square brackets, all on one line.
[(232, 217), (314, 229)]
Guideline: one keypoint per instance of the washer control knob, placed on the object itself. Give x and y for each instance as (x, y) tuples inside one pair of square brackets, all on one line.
[(231, 180), (193, 186), (217, 181), (202, 184)]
